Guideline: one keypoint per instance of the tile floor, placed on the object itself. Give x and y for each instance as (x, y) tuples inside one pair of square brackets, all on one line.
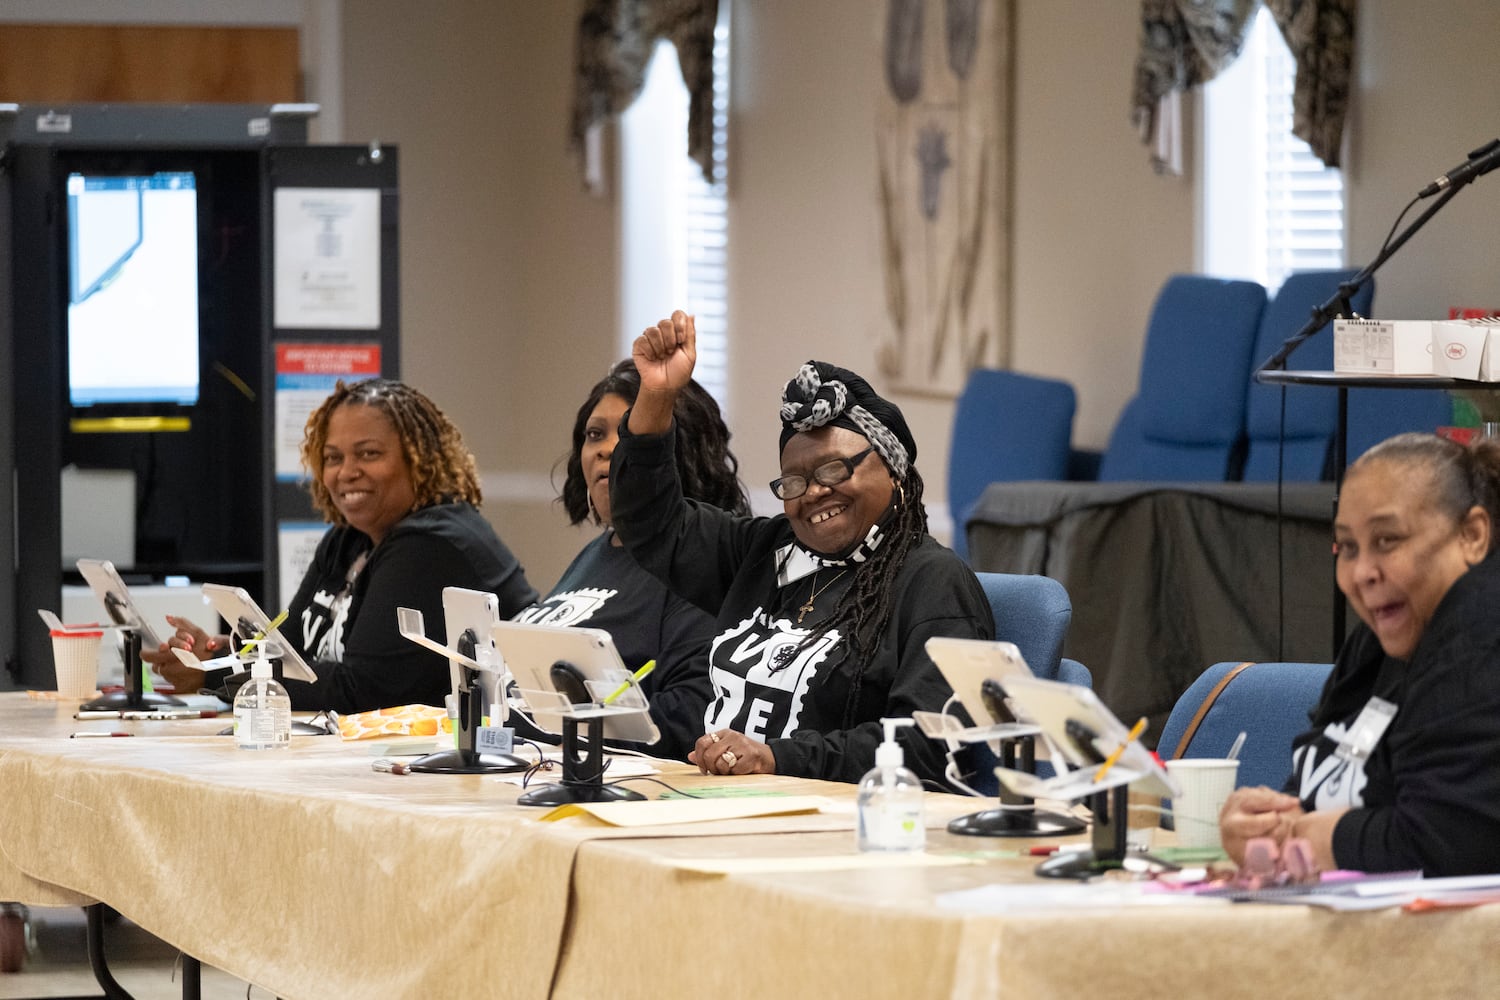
[(143, 965)]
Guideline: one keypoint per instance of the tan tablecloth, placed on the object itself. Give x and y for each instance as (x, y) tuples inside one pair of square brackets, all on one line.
[(313, 876), (880, 934)]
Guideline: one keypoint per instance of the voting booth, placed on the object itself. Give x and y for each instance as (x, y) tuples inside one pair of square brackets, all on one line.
[(180, 285)]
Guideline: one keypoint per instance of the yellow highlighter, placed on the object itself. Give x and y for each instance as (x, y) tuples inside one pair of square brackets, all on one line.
[(1109, 762), (260, 636), (635, 678)]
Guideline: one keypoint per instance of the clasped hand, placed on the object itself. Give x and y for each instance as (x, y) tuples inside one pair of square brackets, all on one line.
[(1256, 812), (725, 751)]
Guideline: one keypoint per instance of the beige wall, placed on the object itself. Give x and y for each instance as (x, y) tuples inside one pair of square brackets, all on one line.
[(508, 273), (1429, 91), (510, 296), (509, 269)]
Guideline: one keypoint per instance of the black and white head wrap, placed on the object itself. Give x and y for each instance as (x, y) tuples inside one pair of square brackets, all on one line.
[(822, 395)]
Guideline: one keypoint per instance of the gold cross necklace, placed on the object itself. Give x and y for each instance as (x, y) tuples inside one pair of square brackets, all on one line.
[(807, 608)]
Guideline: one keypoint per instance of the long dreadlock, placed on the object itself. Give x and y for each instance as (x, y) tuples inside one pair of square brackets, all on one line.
[(864, 611)]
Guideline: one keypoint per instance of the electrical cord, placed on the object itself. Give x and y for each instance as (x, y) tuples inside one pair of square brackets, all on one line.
[(952, 772), (667, 785)]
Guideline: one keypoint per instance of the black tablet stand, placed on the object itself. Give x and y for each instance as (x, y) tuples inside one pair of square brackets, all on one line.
[(465, 758), (582, 770), (135, 697), (1108, 851), (582, 758), (1016, 815)]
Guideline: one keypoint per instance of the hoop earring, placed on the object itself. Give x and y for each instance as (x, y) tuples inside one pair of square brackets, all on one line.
[(593, 514), (901, 495)]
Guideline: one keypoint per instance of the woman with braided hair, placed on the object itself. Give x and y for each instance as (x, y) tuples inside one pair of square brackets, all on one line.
[(390, 471), (823, 611)]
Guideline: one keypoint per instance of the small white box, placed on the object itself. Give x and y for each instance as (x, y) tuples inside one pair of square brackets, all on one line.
[(1457, 349), (1489, 365), (1489, 362), (1382, 347)]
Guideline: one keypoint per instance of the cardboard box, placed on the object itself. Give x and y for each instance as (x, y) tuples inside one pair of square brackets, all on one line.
[(1382, 347), (1458, 348)]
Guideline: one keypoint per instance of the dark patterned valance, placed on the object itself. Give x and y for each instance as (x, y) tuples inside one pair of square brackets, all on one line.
[(1185, 43), (1320, 35), (615, 42)]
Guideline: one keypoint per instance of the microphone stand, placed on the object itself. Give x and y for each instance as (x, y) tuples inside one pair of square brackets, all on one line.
[(1338, 307)]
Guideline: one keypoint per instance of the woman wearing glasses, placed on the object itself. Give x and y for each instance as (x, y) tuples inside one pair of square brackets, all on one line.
[(823, 611)]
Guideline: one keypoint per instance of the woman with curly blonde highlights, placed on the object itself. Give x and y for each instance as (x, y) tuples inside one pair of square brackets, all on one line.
[(390, 472)]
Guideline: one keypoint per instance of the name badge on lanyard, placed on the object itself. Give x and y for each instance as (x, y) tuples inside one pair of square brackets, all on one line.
[(1368, 728)]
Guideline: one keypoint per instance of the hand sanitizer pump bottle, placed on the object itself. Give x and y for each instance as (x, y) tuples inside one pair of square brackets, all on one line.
[(890, 800), (262, 708)]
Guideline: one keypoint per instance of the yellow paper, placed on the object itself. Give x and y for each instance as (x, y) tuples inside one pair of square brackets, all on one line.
[(828, 863), (670, 812)]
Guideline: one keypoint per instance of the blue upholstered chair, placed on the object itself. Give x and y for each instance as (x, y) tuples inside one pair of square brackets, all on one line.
[(1186, 421), (1007, 427), (1269, 702), (1311, 411), (1034, 613)]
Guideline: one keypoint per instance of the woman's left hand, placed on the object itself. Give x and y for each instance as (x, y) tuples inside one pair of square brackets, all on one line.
[(1256, 812), (728, 752)]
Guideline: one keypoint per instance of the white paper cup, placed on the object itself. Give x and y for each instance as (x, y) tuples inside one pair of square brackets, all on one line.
[(1206, 782), (75, 655)]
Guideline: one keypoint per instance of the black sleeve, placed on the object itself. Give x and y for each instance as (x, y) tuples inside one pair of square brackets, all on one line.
[(695, 549)]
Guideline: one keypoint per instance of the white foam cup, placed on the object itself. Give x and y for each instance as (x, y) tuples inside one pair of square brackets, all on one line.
[(75, 655), (1206, 783)]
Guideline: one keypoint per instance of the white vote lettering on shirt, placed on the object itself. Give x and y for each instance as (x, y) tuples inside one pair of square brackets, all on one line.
[(752, 692), (755, 722), (1330, 781), (323, 632), (568, 608)]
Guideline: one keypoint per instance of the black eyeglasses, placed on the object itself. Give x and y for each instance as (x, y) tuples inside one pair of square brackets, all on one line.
[(828, 474)]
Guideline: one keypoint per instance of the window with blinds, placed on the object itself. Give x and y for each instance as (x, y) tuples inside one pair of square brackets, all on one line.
[(1269, 206), (674, 222)]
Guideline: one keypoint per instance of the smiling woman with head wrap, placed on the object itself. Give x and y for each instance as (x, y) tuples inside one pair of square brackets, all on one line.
[(824, 610)]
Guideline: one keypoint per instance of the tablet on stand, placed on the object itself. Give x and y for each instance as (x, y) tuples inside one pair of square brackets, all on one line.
[(135, 634), (477, 676), (1102, 761), (575, 684), (975, 668)]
